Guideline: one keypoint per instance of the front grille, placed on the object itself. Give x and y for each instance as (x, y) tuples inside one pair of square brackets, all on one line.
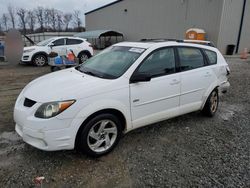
[(29, 102), (25, 57)]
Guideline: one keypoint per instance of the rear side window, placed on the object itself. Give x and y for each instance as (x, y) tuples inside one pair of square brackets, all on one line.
[(74, 41), (59, 42), (160, 62), (212, 57), (190, 58)]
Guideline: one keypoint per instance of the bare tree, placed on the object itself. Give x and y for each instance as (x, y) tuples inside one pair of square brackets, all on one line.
[(22, 13), (12, 15), (59, 19), (40, 17), (77, 19), (5, 21), (47, 19), (67, 18), (31, 20), (53, 18)]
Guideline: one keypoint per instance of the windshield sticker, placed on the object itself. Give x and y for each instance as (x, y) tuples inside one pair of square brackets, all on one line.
[(137, 50)]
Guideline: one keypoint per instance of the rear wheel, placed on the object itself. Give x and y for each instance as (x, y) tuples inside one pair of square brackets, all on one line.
[(40, 60), (100, 135), (212, 103), (83, 56)]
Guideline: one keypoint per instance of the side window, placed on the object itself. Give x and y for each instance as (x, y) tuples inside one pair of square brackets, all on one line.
[(212, 57), (73, 41), (160, 62), (59, 42), (190, 58)]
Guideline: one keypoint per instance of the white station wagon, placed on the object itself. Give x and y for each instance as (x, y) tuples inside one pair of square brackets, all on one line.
[(127, 86)]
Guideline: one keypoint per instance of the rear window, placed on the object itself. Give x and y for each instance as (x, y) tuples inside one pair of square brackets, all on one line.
[(74, 41), (212, 57), (190, 58)]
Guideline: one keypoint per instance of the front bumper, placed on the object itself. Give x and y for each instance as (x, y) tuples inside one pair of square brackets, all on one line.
[(46, 140), (45, 134)]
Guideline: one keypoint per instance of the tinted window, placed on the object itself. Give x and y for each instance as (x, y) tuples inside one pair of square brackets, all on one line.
[(212, 57), (190, 58), (73, 41), (160, 62), (59, 42), (112, 62)]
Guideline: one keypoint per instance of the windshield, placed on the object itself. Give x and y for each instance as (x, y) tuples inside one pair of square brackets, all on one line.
[(45, 42), (112, 62)]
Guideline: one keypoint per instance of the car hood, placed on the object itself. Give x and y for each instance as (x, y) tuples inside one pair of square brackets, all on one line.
[(32, 47), (64, 85)]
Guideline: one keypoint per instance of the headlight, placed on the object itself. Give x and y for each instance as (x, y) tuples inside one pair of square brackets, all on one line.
[(30, 50), (52, 109)]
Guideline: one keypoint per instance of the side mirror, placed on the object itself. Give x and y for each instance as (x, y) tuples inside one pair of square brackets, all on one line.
[(140, 77), (51, 45)]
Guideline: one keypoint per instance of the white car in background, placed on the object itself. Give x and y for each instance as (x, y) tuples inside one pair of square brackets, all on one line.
[(127, 86), (38, 54)]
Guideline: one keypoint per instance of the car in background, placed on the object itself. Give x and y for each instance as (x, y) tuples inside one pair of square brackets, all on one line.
[(124, 87), (38, 54)]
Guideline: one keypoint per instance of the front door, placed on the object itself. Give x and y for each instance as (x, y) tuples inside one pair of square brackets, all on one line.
[(157, 99), (60, 47)]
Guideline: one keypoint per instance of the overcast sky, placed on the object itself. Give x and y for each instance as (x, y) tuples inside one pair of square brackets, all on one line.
[(63, 5)]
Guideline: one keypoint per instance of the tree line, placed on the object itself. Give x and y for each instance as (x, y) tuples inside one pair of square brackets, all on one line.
[(40, 20)]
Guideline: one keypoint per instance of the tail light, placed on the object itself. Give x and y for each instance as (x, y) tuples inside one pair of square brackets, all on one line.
[(228, 70)]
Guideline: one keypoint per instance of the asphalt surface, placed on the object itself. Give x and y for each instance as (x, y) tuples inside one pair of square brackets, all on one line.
[(188, 151)]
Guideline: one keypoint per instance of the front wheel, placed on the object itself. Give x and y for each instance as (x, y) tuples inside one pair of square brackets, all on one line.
[(40, 60), (100, 135), (212, 103)]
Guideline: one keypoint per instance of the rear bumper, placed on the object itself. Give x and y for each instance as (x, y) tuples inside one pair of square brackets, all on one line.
[(224, 87)]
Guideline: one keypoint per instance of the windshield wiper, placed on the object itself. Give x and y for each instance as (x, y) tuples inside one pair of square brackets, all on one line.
[(92, 74)]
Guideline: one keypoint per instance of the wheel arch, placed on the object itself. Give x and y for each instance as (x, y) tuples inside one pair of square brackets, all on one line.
[(40, 53), (84, 51), (112, 111), (209, 91)]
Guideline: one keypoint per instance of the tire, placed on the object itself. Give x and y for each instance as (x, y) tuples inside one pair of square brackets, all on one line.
[(212, 103), (55, 68), (100, 135), (83, 56), (40, 60)]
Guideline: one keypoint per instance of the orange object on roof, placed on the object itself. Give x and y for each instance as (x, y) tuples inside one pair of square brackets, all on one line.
[(195, 34)]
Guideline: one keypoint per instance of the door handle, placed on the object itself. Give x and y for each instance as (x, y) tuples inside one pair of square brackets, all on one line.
[(208, 74), (175, 82)]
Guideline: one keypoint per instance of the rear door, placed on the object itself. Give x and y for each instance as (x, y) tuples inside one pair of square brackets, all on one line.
[(74, 45), (157, 99), (196, 78)]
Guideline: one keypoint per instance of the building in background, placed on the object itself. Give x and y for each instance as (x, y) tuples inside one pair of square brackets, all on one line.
[(224, 21)]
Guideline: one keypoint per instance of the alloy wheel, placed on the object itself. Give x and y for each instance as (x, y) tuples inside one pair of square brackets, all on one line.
[(102, 136)]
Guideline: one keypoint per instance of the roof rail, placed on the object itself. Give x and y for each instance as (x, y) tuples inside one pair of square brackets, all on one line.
[(202, 42), (161, 40), (207, 43)]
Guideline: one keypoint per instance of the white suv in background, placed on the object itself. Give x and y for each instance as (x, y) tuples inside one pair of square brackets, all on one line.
[(38, 54), (127, 86)]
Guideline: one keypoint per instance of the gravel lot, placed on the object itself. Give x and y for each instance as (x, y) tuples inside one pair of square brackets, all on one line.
[(188, 151)]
